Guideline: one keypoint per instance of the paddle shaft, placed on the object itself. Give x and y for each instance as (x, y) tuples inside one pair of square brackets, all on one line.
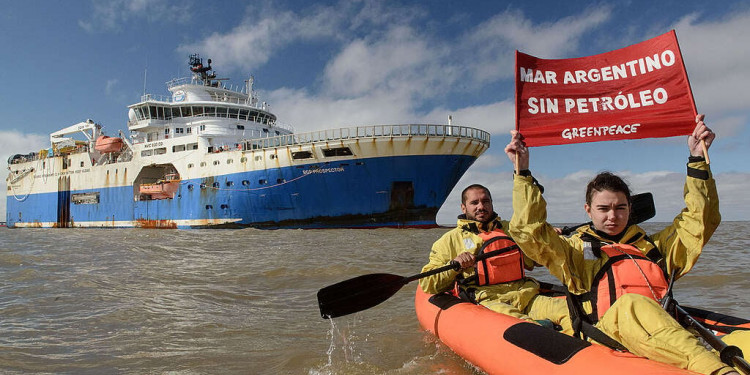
[(729, 354)]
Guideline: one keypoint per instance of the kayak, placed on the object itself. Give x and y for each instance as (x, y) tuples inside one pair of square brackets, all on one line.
[(500, 344)]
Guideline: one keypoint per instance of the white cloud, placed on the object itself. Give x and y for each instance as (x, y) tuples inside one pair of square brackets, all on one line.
[(14, 142), (402, 60), (110, 15), (386, 69), (491, 44), (716, 64), (253, 42)]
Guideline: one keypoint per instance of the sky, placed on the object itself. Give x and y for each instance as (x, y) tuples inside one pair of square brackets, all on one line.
[(331, 64)]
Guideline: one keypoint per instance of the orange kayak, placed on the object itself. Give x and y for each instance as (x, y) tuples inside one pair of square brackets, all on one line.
[(500, 344)]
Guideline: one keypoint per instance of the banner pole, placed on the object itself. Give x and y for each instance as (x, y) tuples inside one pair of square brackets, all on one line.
[(690, 90), (515, 99)]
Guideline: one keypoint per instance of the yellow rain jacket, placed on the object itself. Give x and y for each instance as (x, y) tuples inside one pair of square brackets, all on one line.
[(637, 322), (518, 298)]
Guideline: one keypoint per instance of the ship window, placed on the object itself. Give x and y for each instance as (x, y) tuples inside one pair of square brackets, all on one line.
[(198, 111), (192, 146), (258, 158), (178, 148), (81, 165), (216, 185), (147, 152), (243, 114), (230, 161), (224, 206), (179, 130), (216, 162), (265, 131), (160, 151), (277, 132), (243, 159), (166, 130), (262, 181), (190, 165), (152, 111), (272, 156), (221, 112), (339, 151), (233, 112), (211, 111), (176, 112), (241, 127), (186, 112), (302, 155), (203, 127), (209, 207), (360, 163), (189, 130), (280, 180), (203, 164), (245, 182), (230, 183), (139, 114), (191, 187), (203, 186)]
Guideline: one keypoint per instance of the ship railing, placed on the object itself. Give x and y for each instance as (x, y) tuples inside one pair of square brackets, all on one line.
[(375, 131), (214, 98)]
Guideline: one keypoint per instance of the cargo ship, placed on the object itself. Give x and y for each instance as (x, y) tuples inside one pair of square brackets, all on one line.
[(214, 156)]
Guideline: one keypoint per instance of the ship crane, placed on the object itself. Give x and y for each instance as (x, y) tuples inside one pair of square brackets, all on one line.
[(89, 129)]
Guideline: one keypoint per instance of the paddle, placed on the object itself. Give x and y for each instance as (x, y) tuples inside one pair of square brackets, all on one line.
[(366, 291), (363, 292), (641, 209), (729, 354)]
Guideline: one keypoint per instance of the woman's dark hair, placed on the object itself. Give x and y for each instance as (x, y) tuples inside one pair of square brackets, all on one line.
[(606, 181)]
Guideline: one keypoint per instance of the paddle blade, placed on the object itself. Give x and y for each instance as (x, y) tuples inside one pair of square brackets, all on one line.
[(357, 294)]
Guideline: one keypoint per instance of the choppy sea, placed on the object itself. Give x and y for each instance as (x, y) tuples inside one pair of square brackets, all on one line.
[(134, 301)]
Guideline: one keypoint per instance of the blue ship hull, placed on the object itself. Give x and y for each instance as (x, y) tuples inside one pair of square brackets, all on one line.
[(395, 191)]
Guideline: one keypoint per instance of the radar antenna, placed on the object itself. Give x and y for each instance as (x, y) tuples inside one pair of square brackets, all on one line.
[(196, 66)]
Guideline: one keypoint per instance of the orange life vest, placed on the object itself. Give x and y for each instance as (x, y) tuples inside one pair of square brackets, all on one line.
[(502, 268), (627, 270)]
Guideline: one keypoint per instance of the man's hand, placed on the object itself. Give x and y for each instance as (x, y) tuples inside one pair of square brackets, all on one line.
[(465, 259)]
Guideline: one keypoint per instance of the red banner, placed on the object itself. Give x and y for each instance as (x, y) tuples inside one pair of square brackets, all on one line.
[(640, 91)]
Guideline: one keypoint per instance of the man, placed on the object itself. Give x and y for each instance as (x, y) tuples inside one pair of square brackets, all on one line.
[(634, 280), (498, 283)]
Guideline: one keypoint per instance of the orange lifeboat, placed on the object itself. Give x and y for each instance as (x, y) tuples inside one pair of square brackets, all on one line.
[(504, 345), (162, 189), (107, 144)]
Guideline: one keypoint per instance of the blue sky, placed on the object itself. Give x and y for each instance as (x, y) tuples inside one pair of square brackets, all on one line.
[(346, 63)]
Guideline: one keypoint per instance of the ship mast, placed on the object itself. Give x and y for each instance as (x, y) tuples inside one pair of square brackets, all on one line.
[(200, 71)]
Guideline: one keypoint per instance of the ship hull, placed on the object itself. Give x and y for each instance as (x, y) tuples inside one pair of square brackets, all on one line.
[(392, 191)]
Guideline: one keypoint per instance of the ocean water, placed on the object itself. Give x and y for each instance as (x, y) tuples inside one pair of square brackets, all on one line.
[(132, 301)]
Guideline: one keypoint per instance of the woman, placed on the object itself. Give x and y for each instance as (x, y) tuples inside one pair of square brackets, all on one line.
[(630, 316)]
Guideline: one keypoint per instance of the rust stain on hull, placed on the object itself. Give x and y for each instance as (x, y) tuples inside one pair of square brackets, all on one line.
[(156, 224)]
